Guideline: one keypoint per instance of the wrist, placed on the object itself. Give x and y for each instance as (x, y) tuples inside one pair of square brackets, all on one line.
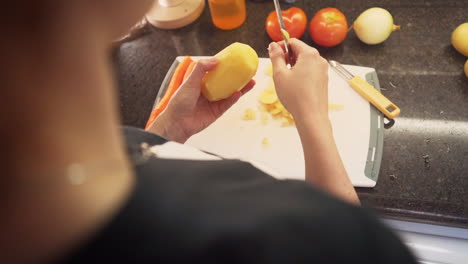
[(310, 111), (312, 118), (167, 128), (318, 125)]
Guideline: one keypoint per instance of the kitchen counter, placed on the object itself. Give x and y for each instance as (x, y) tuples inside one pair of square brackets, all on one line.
[(424, 172)]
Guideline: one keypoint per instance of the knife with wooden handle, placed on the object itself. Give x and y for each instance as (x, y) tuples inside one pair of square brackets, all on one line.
[(283, 30), (367, 91)]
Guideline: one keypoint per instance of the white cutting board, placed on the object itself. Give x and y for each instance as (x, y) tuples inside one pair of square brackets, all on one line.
[(234, 138)]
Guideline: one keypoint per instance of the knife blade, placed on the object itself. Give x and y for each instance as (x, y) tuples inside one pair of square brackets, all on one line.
[(284, 32), (366, 90)]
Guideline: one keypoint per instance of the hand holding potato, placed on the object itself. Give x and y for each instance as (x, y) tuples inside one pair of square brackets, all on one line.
[(303, 89), (238, 64), (189, 112)]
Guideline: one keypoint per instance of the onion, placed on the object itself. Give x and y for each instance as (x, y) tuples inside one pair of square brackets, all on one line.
[(374, 26), (460, 39)]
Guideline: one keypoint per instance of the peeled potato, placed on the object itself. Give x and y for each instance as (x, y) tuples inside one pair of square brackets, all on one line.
[(249, 114), (268, 97), (271, 104), (237, 65), (335, 107)]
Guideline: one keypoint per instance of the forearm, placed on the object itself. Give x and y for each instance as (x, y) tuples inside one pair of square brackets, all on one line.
[(324, 167), (168, 128)]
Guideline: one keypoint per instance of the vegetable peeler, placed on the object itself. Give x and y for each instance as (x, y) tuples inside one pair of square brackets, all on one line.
[(366, 90)]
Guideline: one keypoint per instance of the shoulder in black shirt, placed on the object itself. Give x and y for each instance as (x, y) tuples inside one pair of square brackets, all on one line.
[(229, 212)]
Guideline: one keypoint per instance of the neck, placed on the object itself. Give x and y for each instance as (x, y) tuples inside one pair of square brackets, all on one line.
[(59, 107)]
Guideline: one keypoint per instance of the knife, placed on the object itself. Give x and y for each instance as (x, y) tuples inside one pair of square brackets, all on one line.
[(367, 91), (284, 32)]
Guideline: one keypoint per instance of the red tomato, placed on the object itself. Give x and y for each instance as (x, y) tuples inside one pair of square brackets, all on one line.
[(295, 21), (328, 27)]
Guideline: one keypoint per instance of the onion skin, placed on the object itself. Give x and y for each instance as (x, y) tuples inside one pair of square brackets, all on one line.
[(374, 26)]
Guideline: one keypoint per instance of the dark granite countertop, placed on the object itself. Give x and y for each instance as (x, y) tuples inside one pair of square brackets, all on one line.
[(424, 172)]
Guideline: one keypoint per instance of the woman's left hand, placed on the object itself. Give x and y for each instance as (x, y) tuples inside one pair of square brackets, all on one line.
[(189, 112)]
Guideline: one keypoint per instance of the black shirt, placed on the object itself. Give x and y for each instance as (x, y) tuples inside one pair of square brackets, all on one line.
[(229, 212)]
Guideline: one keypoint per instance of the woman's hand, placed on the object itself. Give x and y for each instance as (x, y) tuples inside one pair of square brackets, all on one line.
[(303, 89), (189, 112)]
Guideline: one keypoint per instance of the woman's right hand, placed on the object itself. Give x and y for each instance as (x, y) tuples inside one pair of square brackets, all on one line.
[(303, 89)]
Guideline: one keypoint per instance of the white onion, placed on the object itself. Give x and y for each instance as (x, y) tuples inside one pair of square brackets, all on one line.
[(374, 26)]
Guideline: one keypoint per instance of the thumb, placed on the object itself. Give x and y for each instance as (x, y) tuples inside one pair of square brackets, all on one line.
[(200, 69), (277, 57)]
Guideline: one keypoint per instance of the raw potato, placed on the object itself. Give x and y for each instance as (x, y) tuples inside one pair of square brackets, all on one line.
[(268, 97), (237, 65), (335, 107), (460, 39), (271, 104), (249, 114), (286, 35)]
